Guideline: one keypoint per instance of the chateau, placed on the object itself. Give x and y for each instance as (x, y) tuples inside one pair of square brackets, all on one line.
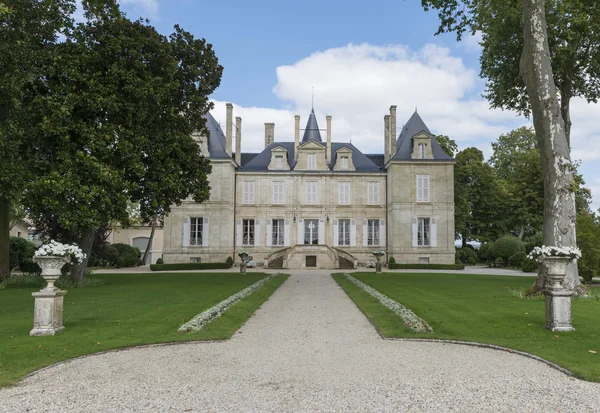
[(319, 203)]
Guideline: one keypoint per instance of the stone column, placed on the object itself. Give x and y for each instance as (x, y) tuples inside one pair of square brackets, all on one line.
[(238, 140), (328, 154), (269, 133), (386, 138), (392, 132), (558, 298), (296, 136), (228, 128)]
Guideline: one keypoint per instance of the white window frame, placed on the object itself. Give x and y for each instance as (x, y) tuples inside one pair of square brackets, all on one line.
[(424, 232), (423, 192), (311, 161), (421, 150), (373, 232), (344, 233), (278, 192), (277, 232), (248, 232), (344, 162), (196, 228), (248, 190), (344, 193), (311, 192), (279, 161), (373, 193)]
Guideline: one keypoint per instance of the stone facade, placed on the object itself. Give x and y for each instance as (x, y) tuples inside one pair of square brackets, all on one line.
[(314, 204)]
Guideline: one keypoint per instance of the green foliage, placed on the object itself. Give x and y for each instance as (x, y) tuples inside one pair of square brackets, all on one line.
[(228, 261), (21, 254), (159, 261), (190, 266), (471, 261), (427, 266), (588, 241), (506, 247), (391, 261), (533, 241), (448, 145), (529, 265), (516, 260), (122, 255), (88, 281)]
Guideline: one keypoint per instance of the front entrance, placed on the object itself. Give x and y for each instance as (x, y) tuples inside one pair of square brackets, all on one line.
[(311, 261), (311, 232)]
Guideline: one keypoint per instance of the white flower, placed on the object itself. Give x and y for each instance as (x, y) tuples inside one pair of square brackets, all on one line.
[(73, 252), (539, 253)]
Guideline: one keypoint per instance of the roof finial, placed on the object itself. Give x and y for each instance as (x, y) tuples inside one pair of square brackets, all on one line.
[(313, 97), (415, 108)]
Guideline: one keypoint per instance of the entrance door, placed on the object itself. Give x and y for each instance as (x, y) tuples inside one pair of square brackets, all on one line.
[(311, 231)]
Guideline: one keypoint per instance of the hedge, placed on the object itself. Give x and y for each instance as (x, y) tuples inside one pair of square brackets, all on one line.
[(427, 266), (190, 266)]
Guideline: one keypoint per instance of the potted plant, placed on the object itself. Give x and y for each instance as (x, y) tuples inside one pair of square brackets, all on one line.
[(53, 256), (378, 254), (244, 258), (556, 260)]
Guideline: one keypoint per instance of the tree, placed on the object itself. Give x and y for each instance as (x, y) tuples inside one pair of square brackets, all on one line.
[(588, 241), (535, 65), (116, 121), (478, 198), (448, 145)]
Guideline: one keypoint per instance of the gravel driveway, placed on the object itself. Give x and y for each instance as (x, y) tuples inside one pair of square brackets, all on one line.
[(306, 349)]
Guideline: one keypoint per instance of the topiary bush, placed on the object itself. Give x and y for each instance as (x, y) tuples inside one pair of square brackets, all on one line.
[(471, 261), (391, 261), (533, 241), (470, 253), (506, 247), (20, 255), (517, 259), (190, 266), (159, 261), (228, 261), (122, 255), (529, 265)]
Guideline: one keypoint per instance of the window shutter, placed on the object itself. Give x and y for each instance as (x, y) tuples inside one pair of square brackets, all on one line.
[(369, 193), (244, 192), (419, 188), (376, 193), (257, 232), (415, 230), (251, 192), (341, 192), (426, 188), (321, 231), (382, 238), (205, 232), (353, 233), (269, 233), (238, 233), (186, 231), (365, 233), (300, 239), (433, 232), (336, 240), (286, 235)]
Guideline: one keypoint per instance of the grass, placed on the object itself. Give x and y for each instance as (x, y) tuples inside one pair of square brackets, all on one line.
[(128, 310), (484, 309)]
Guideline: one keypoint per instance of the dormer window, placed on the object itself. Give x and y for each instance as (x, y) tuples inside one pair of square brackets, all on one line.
[(344, 162), (279, 161), (422, 151), (311, 161)]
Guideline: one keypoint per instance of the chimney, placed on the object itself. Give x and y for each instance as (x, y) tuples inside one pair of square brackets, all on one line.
[(296, 136), (328, 155), (386, 138), (238, 140), (393, 129), (269, 133), (228, 127)]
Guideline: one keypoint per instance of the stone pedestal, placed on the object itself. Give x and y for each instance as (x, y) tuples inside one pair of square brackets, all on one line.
[(243, 268), (48, 315), (377, 267), (558, 298)]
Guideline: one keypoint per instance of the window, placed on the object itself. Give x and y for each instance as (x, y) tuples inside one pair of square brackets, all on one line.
[(311, 231), (423, 232), (248, 192), (421, 151), (195, 231), (344, 162), (278, 161), (422, 188), (311, 161), (277, 232), (311, 192), (344, 193), (373, 232), (248, 232), (373, 193), (344, 232), (278, 192), (195, 260)]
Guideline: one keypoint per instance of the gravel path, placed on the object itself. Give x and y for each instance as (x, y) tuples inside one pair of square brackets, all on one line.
[(307, 349)]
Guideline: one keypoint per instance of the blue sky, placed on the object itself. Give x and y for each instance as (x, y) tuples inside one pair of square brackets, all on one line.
[(361, 58)]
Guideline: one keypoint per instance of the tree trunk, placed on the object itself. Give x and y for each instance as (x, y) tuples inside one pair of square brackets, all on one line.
[(559, 198), (149, 241), (87, 241), (4, 237)]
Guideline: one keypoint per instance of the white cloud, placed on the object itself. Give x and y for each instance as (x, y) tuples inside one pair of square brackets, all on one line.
[(356, 84), (471, 42)]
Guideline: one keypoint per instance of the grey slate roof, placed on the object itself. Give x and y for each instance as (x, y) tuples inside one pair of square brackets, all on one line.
[(312, 129), (216, 139), (404, 147)]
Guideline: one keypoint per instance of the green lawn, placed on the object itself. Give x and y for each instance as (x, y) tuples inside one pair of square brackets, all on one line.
[(129, 310), (483, 309)]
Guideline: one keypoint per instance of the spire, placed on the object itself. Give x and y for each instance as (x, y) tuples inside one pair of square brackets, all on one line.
[(312, 129)]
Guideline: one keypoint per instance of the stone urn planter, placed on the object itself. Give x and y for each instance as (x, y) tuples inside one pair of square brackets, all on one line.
[(244, 260), (243, 268), (48, 311), (558, 298), (378, 255)]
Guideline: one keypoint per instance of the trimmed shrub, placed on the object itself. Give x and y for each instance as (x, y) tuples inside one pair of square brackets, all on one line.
[(20, 255), (122, 255), (470, 253), (228, 261), (506, 247), (533, 241), (471, 261), (427, 266), (190, 266), (517, 259), (458, 262), (529, 265), (160, 261), (30, 267), (391, 261)]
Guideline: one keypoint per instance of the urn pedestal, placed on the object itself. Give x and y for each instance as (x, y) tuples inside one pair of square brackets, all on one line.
[(558, 298), (48, 313), (243, 268)]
